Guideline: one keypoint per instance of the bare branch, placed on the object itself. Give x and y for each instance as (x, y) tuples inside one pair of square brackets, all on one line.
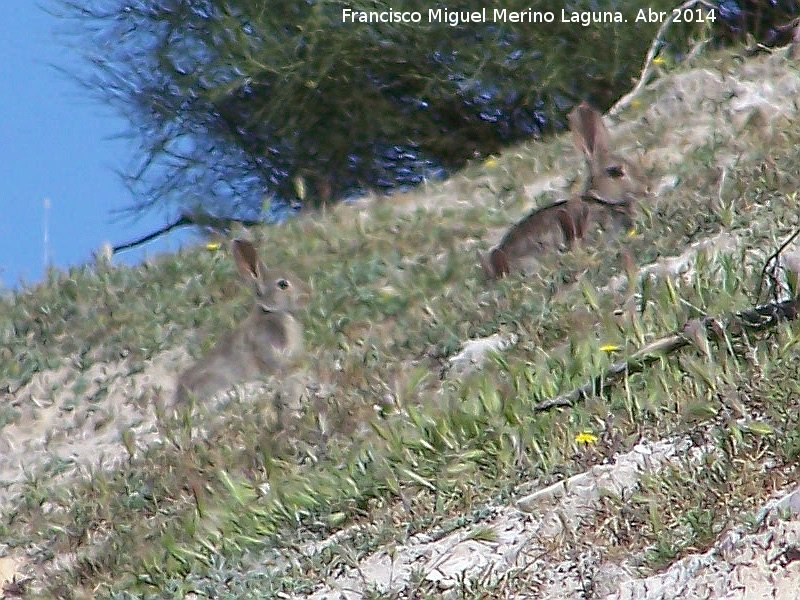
[(199, 219), (774, 260)]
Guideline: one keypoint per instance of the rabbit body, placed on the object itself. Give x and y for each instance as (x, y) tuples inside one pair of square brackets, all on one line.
[(264, 343), (609, 201), (553, 226)]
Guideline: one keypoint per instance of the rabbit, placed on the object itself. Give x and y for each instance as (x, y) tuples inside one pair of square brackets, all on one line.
[(265, 342), (556, 225), (608, 200)]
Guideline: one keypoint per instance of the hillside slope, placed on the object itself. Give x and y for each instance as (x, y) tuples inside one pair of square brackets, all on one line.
[(420, 464)]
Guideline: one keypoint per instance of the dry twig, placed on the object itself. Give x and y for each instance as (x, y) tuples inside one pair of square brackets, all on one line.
[(771, 271)]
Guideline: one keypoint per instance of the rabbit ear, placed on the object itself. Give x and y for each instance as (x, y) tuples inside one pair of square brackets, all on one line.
[(246, 257), (588, 132)]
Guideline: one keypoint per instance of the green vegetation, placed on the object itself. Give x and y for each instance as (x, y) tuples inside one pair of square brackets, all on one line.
[(231, 501)]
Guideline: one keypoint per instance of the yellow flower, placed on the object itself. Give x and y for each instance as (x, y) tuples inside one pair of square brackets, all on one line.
[(586, 438), (213, 246), (632, 232), (660, 61), (388, 292), (491, 162), (609, 348)]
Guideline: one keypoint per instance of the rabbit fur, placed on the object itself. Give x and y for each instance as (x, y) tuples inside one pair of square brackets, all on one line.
[(608, 200), (264, 343)]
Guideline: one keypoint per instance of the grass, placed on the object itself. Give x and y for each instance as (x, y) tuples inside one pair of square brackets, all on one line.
[(231, 502)]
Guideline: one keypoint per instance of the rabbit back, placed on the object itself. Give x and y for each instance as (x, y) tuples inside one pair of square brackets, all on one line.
[(552, 227), (539, 230)]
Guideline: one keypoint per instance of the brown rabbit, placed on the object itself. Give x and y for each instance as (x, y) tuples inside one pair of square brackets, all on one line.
[(263, 343), (609, 200), (556, 225)]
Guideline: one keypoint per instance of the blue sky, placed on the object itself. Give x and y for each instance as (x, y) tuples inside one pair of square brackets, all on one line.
[(57, 143)]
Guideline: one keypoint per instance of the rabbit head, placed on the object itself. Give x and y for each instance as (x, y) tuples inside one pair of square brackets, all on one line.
[(612, 178), (274, 292)]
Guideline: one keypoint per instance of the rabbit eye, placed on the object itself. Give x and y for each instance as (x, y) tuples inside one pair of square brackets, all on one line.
[(616, 171), (282, 283)]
